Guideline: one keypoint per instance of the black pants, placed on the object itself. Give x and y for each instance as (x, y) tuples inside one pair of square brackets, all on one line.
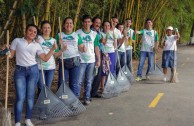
[(97, 79)]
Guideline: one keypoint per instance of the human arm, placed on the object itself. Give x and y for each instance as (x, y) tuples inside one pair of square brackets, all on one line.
[(97, 51)]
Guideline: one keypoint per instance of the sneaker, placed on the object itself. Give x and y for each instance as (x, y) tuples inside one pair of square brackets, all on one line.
[(147, 77), (164, 79), (86, 102), (28, 122), (138, 79), (18, 124)]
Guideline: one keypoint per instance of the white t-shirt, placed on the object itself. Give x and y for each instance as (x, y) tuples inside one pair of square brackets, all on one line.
[(26, 53), (109, 46), (122, 47), (72, 40), (90, 40), (170, 43), (148, 39), (46, 45)]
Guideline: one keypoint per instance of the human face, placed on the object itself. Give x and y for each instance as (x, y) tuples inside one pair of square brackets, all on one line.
[(31, 33), (97, 24), (128, 23), (68, 25), (169, 32), (115, 21), (106, 27), (149, 24), (121, 28), (87, 23), (46, 29)]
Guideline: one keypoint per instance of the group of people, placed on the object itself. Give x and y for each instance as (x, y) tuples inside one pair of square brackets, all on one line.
[(84, 53)]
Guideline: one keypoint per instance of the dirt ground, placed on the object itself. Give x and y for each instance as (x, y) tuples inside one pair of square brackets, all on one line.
[(11, 96)]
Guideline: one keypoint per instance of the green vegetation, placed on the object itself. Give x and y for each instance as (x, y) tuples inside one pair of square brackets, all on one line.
[(178, 13)]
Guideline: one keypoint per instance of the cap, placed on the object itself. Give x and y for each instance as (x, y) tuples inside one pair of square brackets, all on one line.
[(169, 28)]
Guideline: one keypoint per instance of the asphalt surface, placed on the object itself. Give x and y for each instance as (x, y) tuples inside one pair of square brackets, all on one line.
[(174, 105)]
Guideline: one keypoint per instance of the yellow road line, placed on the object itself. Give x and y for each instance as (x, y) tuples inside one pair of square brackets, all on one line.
[(156, 100)]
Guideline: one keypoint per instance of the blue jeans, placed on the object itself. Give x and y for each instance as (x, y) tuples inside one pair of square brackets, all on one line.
[(122, 61), (48, 76), (25, 79), (86, 71), (142, 61), (128, 58), (71, 76)]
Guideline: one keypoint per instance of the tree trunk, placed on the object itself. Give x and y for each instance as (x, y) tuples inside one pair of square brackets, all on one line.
[(24, 23), (77, 13), (47, 11), (54, 20)]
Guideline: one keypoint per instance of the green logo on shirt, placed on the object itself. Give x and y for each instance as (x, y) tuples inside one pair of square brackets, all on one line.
[(68, 38), (47, 44), (87, 38), (149, 33)]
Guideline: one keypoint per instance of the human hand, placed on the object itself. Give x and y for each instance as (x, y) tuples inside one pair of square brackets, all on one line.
[(98, 63), (84, 48)]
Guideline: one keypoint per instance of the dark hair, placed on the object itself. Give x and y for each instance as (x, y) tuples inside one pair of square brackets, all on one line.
[(67, 19), (86, 16), (32, 25), (93, 20), (128, 19), (114, 17), (45, 22), (148, 19), (119, 24), (105, 22)]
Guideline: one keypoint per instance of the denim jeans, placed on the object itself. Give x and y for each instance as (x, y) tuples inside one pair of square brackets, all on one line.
[(71, 78), (122, 61), (128, 58), (25, 79), (86, 71), (48, 76), (142, 61)]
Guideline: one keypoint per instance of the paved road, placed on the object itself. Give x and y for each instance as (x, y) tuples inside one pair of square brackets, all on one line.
[(174, 108)]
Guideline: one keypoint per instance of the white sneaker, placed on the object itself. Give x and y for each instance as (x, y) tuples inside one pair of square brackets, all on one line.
[(147, 77), (18, 124), (28, 122), (165, 79)]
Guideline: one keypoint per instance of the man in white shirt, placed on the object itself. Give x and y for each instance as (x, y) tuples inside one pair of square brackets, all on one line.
[(149, 45), (169, 51)]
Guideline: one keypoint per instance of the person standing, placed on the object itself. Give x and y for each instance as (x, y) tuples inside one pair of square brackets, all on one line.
[(148, 47), (26, 72), (131, 39), (169, 50), (91, 42), (72, 43), (117, 37), (46, 42), (96, 23), (109, 54)]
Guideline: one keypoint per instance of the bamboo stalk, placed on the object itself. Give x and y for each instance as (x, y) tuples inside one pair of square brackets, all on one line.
[(131, 7), (110, 9), (12, 25), (161, 7), (47, 11), (103, 10), (9, 18), (54, 19), (24, 23), (77, 13), (136, 24)]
